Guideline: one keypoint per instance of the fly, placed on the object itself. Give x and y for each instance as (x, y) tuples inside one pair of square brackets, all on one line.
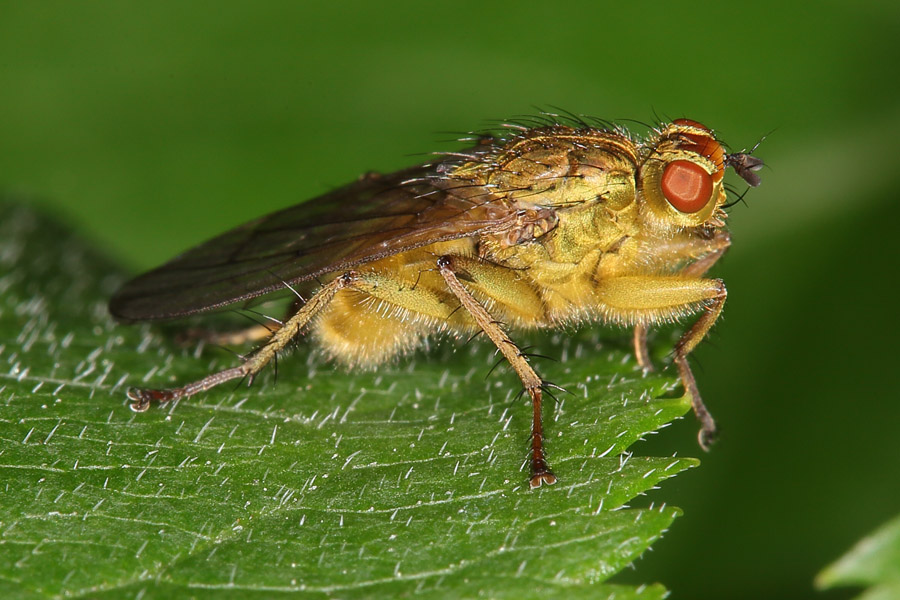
[(548, 226)]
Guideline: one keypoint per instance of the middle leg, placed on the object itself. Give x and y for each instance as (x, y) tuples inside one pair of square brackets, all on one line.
[(540, 471)]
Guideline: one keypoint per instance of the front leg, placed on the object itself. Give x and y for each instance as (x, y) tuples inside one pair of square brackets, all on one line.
[(685, 345), (645, 300), (714, 249), (540, 471)]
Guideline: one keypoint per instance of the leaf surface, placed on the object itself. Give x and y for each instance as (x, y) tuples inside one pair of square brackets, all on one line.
[(411, 480)]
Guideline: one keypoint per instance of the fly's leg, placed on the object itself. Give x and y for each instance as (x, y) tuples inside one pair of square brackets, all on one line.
[(650, 299), (540, 471), (441, 297), (143, 397), (685, 345), (640, 347), (698, 331), (714, 249)]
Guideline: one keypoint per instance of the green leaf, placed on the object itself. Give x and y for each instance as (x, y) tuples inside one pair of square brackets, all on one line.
[(408, 480), (874, 561)]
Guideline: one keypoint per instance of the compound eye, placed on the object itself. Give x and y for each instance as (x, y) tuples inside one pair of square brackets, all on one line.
[(691, 123), (686, 185)]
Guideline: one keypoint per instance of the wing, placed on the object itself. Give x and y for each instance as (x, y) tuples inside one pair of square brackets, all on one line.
[(374, 217)]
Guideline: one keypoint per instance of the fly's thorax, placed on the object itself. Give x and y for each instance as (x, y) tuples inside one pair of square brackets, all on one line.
[(584, 177), (589, 227), (680, 181), (566, 171), (556, 166)]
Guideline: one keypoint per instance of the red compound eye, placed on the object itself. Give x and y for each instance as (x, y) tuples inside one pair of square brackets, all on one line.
[(704, 144), (686, 185)]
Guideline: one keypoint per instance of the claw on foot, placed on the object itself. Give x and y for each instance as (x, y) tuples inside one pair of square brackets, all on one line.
[(706, 437), (541, 474), (539, 479), (142, 398)]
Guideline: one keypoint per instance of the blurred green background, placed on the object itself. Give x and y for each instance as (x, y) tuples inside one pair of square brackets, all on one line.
[(153, 126)]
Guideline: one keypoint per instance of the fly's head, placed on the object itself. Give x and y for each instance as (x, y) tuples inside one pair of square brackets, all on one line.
[(681, 177)]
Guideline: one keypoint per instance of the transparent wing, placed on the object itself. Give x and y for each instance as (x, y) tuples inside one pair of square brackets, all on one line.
[(374, 217)]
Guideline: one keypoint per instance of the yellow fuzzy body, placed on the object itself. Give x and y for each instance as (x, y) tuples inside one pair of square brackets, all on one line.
[(553, 226), (608, 257)]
